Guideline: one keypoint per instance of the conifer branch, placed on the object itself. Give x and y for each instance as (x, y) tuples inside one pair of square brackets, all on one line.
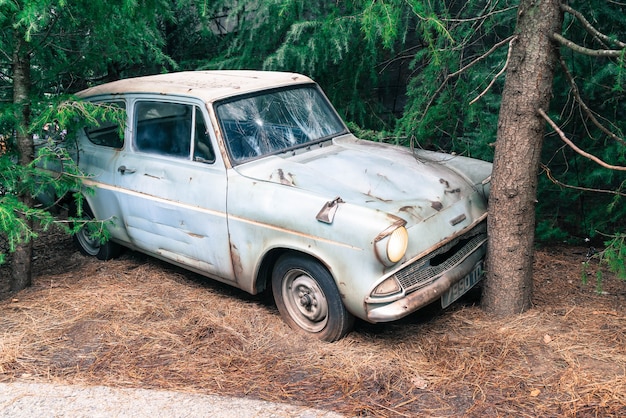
[(610, 53), (590, 28), (582, 189), (590, 114), (494, 48), (565, 139), (482, 16), (493, 80)]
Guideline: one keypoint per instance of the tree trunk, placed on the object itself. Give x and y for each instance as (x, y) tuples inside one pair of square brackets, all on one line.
[(528, 87), (21, 264)]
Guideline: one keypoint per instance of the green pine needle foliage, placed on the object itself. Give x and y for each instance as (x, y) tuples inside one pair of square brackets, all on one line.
[(614, 255), (357, 50), (54, 127), (390, 67)]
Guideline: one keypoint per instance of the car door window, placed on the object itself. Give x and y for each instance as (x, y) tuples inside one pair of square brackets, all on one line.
[(107, 131), (202, 149), (163, 128)]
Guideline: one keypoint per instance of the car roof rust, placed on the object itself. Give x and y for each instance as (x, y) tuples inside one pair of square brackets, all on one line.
[(206, 85)]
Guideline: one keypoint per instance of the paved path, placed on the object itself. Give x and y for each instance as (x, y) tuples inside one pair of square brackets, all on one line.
[(34, 400)]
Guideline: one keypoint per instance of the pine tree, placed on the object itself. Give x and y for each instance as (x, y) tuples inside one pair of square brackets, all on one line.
[(50, 47)]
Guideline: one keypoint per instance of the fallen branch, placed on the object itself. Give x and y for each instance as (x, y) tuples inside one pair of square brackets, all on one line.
[(575, 148)]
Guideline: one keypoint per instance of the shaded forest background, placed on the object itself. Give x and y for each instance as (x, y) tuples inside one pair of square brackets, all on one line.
[(427, 73)]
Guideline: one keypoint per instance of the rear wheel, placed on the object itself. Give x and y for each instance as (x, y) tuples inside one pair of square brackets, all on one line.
[(308, 299), (88, 241)]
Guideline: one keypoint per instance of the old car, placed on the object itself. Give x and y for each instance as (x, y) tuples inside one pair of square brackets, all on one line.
[(251, 178)]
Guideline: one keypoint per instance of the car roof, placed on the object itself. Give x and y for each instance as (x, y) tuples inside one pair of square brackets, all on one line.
[(206, 85)]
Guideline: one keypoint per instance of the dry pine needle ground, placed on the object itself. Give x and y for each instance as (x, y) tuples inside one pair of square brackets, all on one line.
[(136, 322)]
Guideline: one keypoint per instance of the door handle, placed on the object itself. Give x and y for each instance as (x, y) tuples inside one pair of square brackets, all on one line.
[(122, 169)]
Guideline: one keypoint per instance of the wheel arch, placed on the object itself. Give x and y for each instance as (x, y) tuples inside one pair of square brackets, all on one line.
[(263, 280)]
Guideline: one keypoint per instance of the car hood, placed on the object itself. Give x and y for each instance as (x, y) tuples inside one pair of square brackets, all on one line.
[(379, 176)]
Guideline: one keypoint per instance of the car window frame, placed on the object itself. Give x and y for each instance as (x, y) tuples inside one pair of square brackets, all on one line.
[(199, 109), (87, 130)]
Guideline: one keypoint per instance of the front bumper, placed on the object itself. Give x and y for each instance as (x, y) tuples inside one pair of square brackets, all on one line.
[(423, 296)]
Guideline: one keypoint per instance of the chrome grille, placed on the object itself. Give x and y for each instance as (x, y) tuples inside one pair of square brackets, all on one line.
[(420, 274)]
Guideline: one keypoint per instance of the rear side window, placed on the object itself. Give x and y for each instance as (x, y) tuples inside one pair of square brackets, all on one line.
[(105, 132), (163, 128)]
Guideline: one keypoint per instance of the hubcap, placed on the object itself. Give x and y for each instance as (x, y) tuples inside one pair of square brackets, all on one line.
[(90, 244), (305, 301)]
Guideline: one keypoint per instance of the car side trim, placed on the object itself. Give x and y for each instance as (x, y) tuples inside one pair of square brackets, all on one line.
[(217, 213)]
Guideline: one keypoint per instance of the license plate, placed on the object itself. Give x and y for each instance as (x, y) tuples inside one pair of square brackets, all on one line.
[(462, 286)]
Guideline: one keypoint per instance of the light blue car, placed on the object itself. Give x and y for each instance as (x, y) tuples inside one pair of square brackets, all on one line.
[(251, 178)]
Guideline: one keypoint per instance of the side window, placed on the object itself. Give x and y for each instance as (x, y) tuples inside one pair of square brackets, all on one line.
[(163, 128), (202, 149), (107, 133)]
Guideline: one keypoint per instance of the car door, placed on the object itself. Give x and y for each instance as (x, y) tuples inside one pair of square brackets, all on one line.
[(174, 185), (100, 145)]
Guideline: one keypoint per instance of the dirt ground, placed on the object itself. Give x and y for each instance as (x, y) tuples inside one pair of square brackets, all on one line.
[(136, 322)]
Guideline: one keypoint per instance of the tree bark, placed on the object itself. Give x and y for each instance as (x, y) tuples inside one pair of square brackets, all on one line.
[(511, 222), (21, 263)]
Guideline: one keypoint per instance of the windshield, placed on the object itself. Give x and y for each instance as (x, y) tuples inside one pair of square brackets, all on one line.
[(275, 121)]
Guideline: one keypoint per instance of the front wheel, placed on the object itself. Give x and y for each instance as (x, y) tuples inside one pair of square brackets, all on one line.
[(89, 243), (308, 299)]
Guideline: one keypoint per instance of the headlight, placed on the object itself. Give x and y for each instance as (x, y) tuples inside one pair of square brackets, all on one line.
[(391, 245), (397, 244)]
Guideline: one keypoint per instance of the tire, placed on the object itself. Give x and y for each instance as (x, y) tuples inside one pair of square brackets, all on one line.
[(308, 299), (92, 246)]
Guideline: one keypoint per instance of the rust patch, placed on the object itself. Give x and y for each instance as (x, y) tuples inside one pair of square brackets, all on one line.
[(397, 222), (414, 211), (380, 199), (286, 179), (447, 187), (436, 205), (236, 260)]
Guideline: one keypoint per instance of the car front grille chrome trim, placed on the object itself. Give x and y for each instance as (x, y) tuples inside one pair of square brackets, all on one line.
[(424, 271)]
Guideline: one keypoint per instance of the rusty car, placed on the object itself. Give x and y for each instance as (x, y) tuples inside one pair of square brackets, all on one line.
[(253, 179)]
